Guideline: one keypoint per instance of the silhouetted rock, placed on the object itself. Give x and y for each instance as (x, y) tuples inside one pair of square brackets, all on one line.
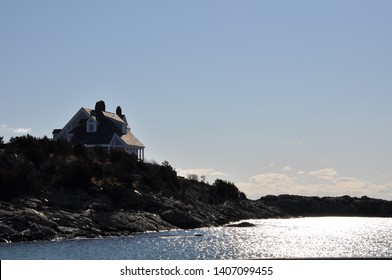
[(182, 219), (242, 224), (329, 206)]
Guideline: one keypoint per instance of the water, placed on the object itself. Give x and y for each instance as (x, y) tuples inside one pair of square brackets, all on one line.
[(326, 237)]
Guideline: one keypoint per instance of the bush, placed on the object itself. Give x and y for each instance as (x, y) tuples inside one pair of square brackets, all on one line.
[(76, 174), (30, 147), (16, 176), (116, 155), (226, 190), (100, 154), (79, 150), (124, 165), (122, 197), (167, 173), (193, 177)]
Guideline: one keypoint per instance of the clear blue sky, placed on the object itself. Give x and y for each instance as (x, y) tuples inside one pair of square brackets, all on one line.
[(275, 96)]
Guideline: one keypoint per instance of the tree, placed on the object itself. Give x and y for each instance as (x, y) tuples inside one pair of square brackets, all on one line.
[(227, 189), (167, 172), (193, 177)]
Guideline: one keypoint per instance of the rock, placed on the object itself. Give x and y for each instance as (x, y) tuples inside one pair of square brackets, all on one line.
[(329, 206), (181, 219), (130, 221), (242, 224), (115, 211), (25, 225)]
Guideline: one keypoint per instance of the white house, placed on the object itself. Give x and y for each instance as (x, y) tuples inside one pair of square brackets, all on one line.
[(100, 128)]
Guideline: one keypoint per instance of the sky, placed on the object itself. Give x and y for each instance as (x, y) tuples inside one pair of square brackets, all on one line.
[(278, 97)]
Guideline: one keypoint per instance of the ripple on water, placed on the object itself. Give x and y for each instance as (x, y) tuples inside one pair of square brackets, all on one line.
[(343, 237)]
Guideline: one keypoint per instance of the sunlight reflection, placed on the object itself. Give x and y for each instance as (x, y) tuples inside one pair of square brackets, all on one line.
[(336, 237), (297, 238)]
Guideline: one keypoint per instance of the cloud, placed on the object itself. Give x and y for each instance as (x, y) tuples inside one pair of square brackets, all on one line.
[(324, 174), (266, 183), (218, 173), (277, 183), (200, 172), (14, 131), (287, 168), (21, 130), (274, 179)]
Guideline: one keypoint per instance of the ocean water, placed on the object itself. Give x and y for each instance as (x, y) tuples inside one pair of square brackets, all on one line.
[(324, 237)]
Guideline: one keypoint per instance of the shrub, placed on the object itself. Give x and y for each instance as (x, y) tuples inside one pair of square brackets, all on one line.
[(167, 173), (116, 155), (226, 189), (100, 154), (193, 177), (79, 150), (16, 176), (30, 147), (76, 174), (122, 196), (124, 165)]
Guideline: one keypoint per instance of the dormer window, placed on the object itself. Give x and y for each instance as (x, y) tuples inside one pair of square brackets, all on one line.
[(91, 125), (124, 128)]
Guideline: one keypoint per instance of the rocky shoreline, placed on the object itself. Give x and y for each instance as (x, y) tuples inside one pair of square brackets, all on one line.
[(52, 190), (61, 214)]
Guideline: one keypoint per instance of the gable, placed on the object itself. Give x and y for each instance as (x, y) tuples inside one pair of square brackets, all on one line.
[(91, 125), (73, 123), (116, 141)]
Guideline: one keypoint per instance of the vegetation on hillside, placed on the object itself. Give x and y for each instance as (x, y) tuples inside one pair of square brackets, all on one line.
[(30, 165)]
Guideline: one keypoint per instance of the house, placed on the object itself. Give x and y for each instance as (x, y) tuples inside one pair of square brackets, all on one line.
[(100, 128)]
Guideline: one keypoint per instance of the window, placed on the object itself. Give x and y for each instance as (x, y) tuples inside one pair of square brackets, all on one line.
[(91, 126)]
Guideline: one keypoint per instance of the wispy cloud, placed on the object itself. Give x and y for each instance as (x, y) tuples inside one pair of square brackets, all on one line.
[(200, 172), (324, 174), (287, 168), (14, 131), (218, 173), (267, 183)]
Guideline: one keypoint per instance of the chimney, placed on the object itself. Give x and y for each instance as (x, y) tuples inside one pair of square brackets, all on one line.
[(119, 112), (99, 108)]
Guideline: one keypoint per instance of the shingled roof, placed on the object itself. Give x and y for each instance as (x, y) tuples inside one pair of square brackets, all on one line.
[(104, 133)]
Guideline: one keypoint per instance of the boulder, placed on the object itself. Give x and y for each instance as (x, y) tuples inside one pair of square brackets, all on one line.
[(181, 219), (241, 224)]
